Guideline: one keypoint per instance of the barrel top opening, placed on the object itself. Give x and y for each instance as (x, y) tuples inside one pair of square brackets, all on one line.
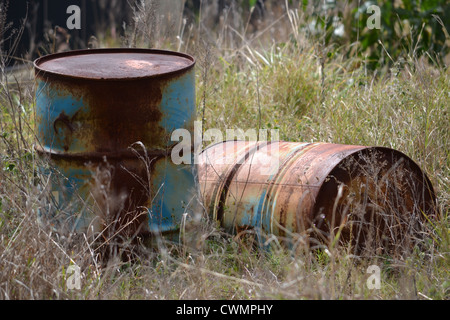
[(114, 63)]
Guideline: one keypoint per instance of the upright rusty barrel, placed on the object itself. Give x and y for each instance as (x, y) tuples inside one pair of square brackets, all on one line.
[(295, 190), (104, 120)]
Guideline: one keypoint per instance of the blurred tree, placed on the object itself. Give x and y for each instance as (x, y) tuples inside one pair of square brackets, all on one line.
[(408, 29)]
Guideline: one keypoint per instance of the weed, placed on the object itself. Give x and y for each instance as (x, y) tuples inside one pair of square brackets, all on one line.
[(269, 75)]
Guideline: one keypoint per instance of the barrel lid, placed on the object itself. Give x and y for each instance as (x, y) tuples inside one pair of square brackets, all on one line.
[(113, 64)]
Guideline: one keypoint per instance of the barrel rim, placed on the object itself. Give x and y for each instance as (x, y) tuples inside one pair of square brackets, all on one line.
[(96, 155), (43, 72), (366, 149)]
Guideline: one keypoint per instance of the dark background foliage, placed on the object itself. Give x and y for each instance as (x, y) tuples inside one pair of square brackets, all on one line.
[(408, 27)]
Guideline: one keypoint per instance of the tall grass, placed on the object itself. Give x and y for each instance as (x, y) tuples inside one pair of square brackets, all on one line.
[(271, 77)]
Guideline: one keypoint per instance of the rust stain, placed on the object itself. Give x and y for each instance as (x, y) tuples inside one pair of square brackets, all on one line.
[(116, 114), (321, 187), (113, 64), (61, 124), (121, 95)]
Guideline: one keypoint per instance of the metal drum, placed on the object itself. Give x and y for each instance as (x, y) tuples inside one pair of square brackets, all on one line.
[(295, 190), (104, 121)]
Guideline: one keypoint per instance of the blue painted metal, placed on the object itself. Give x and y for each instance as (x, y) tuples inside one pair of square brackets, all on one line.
[(93, 120), (313, 188)]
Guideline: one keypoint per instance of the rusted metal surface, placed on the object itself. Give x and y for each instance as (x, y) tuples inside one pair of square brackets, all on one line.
[(113, 64), (313, 188), (107, 115)]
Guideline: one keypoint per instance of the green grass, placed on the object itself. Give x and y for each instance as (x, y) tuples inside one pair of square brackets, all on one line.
[(269, 84)]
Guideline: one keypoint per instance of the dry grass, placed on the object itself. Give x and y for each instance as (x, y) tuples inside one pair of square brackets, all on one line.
[(245, 79)]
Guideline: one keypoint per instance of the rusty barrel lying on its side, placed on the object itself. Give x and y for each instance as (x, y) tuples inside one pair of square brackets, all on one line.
[(104, 119), (292, 189)]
